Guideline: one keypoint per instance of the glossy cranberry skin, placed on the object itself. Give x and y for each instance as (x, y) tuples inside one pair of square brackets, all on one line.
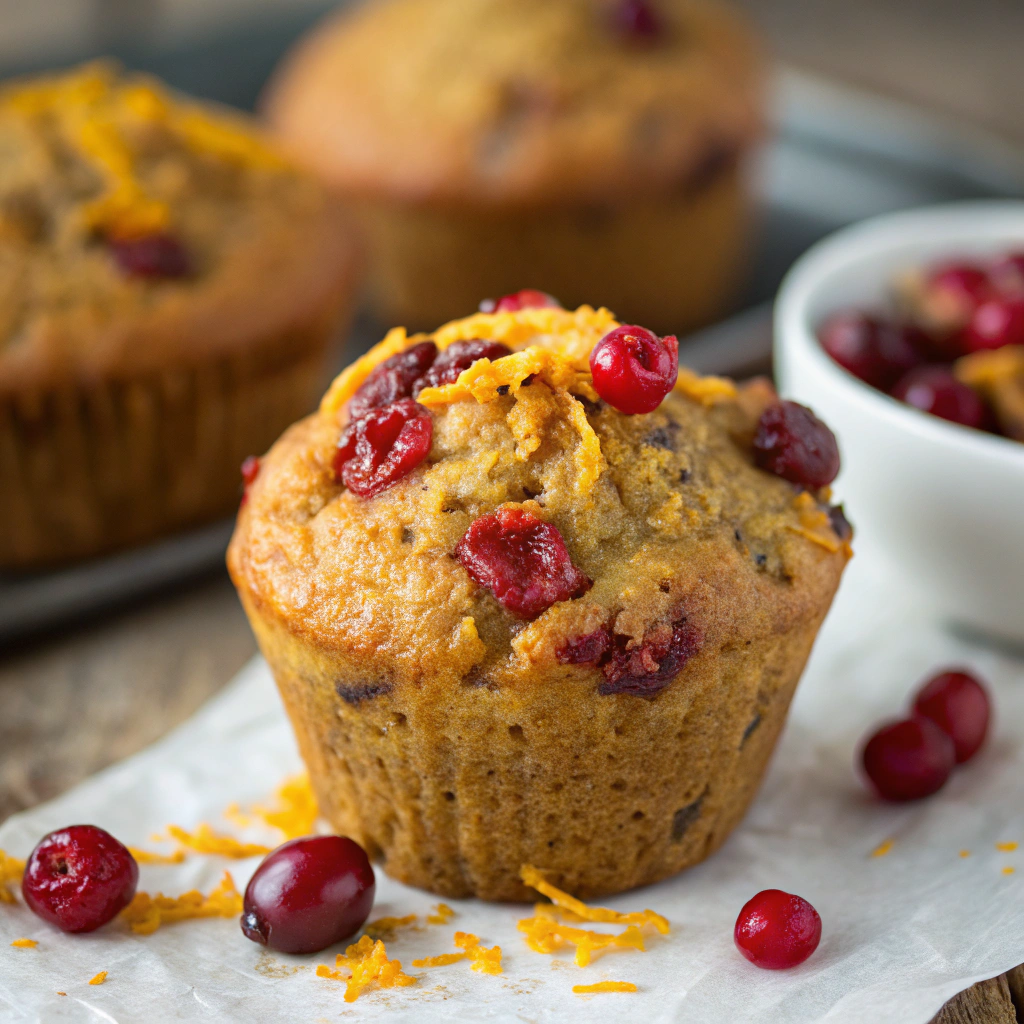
[(791, 442), (933, 389), (374, 453), (79, 878), (634, 369), (151, 256), (392, 380), (876, 351), (776, 930), (528, 298), (995, 323), (1007, 273), (459, 356), (635, 20), (908, 760), (309, 894), (960, 706), (521, 560)]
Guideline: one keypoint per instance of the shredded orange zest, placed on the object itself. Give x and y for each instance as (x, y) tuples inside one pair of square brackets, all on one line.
[(348, 382), (815, 525), (604, 986), (546, 935), (25, 943), (148, 857), (442, 914), (385, 927), (883, 848), (11, 870), (205, 840), (1007, 847), (486, 961), (99, 978), (146, 913), (368, 964), (706, 390), (296, 811), (965, 853), (1008, 870)]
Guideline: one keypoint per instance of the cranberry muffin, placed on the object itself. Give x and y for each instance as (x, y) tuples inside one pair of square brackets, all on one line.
[(530, 599), (597, 149), (171, 291)]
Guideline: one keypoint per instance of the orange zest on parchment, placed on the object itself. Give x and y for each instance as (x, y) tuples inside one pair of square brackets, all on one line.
[(604, 986), (205, 840), (149, 857), (11, 870), (98, 979), (486, 961), (883, 848), (1007, 847), (25, 943), (294, 812), (442, 914), (385, 927), (145, 914), (368, 965)]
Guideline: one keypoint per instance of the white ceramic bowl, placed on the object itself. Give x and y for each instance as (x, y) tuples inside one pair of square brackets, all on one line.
[(943, 504)]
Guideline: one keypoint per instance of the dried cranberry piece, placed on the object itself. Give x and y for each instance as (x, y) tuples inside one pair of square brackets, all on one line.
[(876, 351), (382, 447), (933, 389), (840, 524), (793, 443), (393, 380), (250, 470), (79, 878), (634, 369), (959, 705), (994, 324), (588, 649), (459, 356), (528, 298), (157, 255), (908, 760), (521, 560), (776, 930), (652, 665), (635, 20)]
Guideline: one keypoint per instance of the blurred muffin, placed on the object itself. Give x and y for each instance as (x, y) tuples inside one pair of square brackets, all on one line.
[(590, 148), (170, 296), (513, 625)]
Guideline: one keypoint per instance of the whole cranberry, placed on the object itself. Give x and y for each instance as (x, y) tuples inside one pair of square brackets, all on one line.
[(635, 20), (1007, 273), (392, 380), (634, 369), (791, 442), (521, 560), (528, 298), (309, 894), (966, 285), (908, 760), (935, 390), (79, 878), (995, 323), (776, 930), (385, 445), (459, 356), (959, 705), (157, 255), (876, 351)]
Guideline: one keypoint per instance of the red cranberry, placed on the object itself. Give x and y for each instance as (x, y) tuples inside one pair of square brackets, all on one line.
[(995, 323), (521, 560), (648, 668), (250, 470), (935, 390), (382, 447), (1007, 274), (635, 20), (959, 705), (909, 760), (776, 930), (158, 255), (309, 894), (793, 443), (634, 369), (528, 298), (393, 380), (588, 649), (876, 351), (966, 284), (79, 878), (459, 356)]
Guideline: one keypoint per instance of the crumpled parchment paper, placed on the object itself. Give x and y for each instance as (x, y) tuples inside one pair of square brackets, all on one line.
[(903, 932)]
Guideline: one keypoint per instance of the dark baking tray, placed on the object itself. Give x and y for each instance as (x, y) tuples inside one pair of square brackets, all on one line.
[(837, 156)]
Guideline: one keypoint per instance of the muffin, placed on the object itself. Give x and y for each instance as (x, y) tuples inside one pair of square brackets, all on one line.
[(512, 624), (590, 148), (171, 292)]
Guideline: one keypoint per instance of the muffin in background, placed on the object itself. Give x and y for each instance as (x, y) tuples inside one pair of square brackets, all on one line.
[(595, 149), (171, 293), (514, 625)]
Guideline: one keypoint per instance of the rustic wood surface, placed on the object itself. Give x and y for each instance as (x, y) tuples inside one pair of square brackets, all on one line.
[(73, 702)]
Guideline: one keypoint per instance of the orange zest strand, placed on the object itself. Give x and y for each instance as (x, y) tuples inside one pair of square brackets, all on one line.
[(146, 913), (544, 934), (486, 961), (149, 857), (965, 853), (1008, 870), (442, 914), (295, 811), (883, 848), (11, 870), (205, 840), (368, 964), (1007, 847), (385, 927), (604, 986), (25, 943), (99, 979)]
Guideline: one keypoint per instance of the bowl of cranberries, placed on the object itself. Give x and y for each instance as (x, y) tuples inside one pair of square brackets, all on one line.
[(885, 325)]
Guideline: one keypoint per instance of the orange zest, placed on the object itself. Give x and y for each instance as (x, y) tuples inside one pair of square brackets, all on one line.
[(484, 960), (11, 870), (1007, 847), (883, 848), (149, 857), (294, 812), (145, 914), (205, 840), (604, 986), (385, 927), (25, 943), (368, 965), (99, 978), (442, 914)]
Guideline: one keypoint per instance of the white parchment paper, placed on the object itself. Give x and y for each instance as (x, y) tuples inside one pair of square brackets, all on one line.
[(902, 932)]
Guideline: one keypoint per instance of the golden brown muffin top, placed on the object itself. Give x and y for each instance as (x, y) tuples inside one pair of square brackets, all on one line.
[(519, 101), (664, 512), (139, 229)]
